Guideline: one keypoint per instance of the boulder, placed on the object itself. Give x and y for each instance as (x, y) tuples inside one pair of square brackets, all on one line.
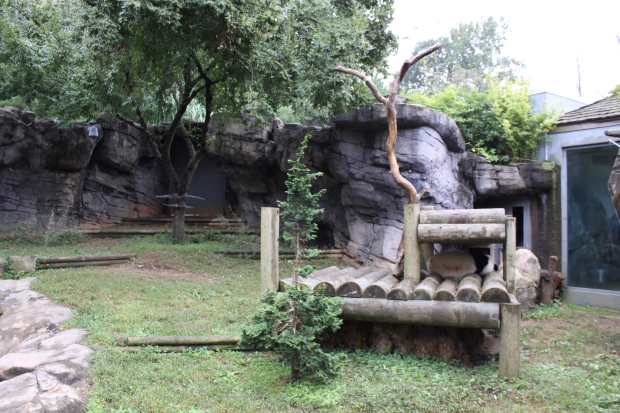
[(39, 392), (527, 278), (24, 265), (452, 264)]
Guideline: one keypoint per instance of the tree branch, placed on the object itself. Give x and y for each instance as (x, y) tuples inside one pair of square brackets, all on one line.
[(371, 85)]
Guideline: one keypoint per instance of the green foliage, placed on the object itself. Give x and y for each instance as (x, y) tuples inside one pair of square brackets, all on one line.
[(301, 206), (468, 56), (497, 123), (554, 310), (291, 323), (76, 58), (16, 101)]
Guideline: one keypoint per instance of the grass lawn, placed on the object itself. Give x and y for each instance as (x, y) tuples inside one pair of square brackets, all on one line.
[(570, 358)]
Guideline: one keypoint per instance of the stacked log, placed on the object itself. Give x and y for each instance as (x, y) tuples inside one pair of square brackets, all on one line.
[(381, 288), (255, 254), (355, 288), (469, 289), (494, 289), (426, 289), (83, 261), (331, 285), (328, 274), (402, 291), (446, 290)]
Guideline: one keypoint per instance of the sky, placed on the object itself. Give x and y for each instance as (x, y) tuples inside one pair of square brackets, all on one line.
[(546, 35)]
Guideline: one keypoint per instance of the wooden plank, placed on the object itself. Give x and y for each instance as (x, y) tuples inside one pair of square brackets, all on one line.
[(462, 233), (510, 252), (402, 291), (510, 344), (464, 216), (79, 258), (433, 313), (269, 266), (412, 247)]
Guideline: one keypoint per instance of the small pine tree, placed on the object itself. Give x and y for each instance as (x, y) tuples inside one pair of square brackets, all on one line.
[(292, 322), (301, 206)]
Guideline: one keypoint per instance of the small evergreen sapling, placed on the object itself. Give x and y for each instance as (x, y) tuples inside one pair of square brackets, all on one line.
[(291, 323), (301, 206)]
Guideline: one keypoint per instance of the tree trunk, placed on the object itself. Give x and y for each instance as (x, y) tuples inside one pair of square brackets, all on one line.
[(178, 223)]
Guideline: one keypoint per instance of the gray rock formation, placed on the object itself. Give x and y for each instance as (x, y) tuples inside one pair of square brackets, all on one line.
[(363, 205), (24, 265), (527, 278), (41, 366), (88, 178), (116, 176)]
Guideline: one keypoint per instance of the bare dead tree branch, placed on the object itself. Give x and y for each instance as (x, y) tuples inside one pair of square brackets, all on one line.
[(371, 85)]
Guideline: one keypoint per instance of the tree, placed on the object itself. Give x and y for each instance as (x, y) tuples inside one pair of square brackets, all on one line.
[(497, 123), (148, 59), (470, 53), (301, 206)]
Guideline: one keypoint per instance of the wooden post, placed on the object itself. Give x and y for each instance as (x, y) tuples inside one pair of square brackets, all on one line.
[(427, 248), (269, 260), (510, 344), (412, 247), (510, 249)]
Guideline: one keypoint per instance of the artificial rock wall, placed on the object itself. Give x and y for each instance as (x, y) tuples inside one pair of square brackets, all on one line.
[(116, 176)]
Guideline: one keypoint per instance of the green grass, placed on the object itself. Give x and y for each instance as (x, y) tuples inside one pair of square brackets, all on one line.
[(570, 359)]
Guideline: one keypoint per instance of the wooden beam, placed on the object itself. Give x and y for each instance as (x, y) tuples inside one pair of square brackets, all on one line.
[(462, 233), (433, 313), (510, 344), (510, 250), (463, 216), (412, 247), (80, 258), (269, 265)]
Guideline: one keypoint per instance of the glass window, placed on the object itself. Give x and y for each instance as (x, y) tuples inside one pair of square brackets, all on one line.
[(593, 226)]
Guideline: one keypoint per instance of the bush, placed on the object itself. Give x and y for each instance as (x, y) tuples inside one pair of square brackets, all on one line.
[(291, 324), (497, 123)]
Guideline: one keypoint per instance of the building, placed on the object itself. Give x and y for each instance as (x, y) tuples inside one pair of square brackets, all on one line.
[(590, 226)]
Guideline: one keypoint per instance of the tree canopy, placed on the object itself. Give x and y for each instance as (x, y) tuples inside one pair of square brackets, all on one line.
[(470, 53), (148, 61)]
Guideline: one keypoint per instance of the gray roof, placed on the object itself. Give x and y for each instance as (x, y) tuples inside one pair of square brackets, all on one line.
[(604, 109)]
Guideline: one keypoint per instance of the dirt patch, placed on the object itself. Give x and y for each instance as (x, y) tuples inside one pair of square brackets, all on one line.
[(151, 270)]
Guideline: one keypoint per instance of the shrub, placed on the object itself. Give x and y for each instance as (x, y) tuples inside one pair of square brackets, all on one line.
[(291, 323)]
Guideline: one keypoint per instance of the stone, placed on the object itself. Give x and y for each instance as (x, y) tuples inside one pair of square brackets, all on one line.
[(20, 395), (527, 276), (3, 265), (24, 265)]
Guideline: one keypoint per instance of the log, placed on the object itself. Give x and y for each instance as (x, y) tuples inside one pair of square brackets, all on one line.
[(402, 291), (412, 256), (312, 283), (558, 279), (446, 290), (355, 288), (462, 233), (257, 252), (381, 288), (433, 313), (176, 349), (546, 282), (319, 273), (145, 232), (269, 239), (510, 342), (510, 254), (469, 289), (79, 258), (179, 340), (464, 216), (426, 289), (494, 275), (330, 287), (494, 291), (80, 264)]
